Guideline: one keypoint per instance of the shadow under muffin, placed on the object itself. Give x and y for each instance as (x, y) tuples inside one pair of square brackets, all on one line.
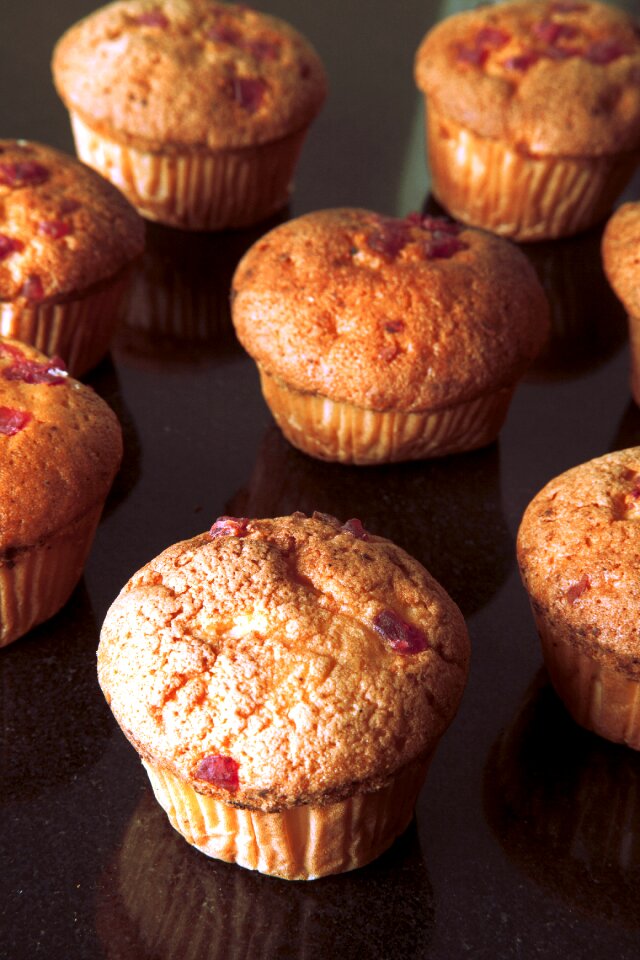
[(565, 806), (447, 513)]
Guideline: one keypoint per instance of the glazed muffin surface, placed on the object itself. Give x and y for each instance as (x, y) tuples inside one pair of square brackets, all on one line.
[(188, 74), (63, 228), (271, 663), (386, 313), (579, 554), (546, 76)]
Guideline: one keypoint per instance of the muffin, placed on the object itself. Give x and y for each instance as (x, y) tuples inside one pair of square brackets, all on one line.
[(67, 241), (379, 339), (621, 259), (60, 447), (533, 114), (579, 555), (285, 682), (196, 110)]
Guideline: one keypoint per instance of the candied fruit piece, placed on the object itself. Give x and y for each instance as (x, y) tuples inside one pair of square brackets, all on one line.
[(603, 52), (550, 31), (491, 37), (389, 238), (394, 326), (10, 350), (22, 173), (32, 288), (220, 771), (224, 33), (9, 245), (51, 372), (229, 527), (248, 92), (576, 590), (440, 224), (55, 229), (401, 636), (152, 18), (13, 421), (355, 528), (521, 61), (264, 49), (442, 246), (477, 56)]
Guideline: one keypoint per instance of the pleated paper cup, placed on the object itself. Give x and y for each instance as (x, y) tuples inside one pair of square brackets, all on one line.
[(200, 189), (346, 433), (490, 184), (300, 842)]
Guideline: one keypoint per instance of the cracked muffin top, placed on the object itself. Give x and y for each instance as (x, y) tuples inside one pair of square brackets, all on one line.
[(557, 77), (387, 313), (60, 447), (276, 662), (621, 255), (579, 556), (183, 74), (63, 228)]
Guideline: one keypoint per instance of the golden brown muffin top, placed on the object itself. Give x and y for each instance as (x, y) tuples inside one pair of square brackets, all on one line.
[(276, 662), (555, 77), (579, 555), (175, 75), (60, 447), (63, 228), (621, 255), (386, 313)]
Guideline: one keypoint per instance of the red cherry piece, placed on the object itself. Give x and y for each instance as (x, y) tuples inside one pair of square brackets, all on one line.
[(394, 326), (577, 589), (562, 53), (229, 527), (219, 771), (440, 225), (152, 18), (56, 229), (604, 51), (52, 373), (491, 37), (223, 33), (355, 528), (521, 61), (389, 238), (9, 245), (23, 173), (10, 350), (442, 246), (248, 92), (264, 49), (13, 421), (550, 31), (401, 636), (476, 56), (32, 288)]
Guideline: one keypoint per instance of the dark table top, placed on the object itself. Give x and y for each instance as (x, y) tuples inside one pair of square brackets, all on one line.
[(526, 841)]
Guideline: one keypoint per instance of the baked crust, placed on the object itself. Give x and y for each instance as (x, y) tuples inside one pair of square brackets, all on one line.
[(539, 77), (261, 647), (180, 75), (579, 556), (621, 255), (62, 462), (63, 228), (316, 305)]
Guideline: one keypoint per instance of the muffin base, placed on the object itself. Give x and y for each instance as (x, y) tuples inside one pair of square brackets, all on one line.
[(331, 430), (597, 696), (199, 190), (488, 184), (37, 581), (79, 330), (299, 843)]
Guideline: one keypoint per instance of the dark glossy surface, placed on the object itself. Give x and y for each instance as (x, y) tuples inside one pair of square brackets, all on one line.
[(526, 841)]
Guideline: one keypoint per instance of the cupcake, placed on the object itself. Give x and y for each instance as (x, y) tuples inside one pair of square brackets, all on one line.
[(60, 447), (579, 555), (285, 682), (533, 114), (379, 339), (195, 109), (621, 258), (67, 241)]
